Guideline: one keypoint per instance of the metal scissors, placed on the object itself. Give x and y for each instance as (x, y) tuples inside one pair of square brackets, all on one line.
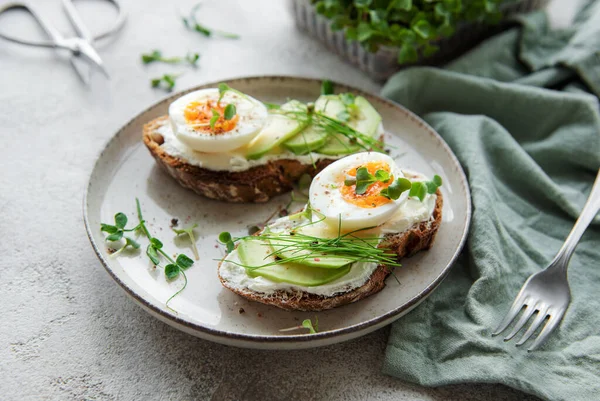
[(80, 46)]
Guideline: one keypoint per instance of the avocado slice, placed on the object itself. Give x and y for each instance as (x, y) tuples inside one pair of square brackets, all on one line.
[(307, 140), (323, 260), (366, 122), (278, 129), (252, 252)]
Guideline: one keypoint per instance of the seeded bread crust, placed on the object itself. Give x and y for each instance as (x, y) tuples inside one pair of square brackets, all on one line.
[(417, 238), (255, 185)]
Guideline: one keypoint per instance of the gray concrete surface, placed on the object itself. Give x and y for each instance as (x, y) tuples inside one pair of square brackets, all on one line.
[(67, 331)]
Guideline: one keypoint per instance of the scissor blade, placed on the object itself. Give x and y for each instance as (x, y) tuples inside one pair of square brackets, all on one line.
[(83, 71), (88, 53)]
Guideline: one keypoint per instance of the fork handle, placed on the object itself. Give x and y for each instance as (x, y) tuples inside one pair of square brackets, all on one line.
[(588, 213)]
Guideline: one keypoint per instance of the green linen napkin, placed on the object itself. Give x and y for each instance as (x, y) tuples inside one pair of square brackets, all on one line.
[(521, 114)]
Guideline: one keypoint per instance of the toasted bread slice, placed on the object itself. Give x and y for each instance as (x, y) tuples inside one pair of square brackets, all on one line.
[(257, 184), (417, 238)]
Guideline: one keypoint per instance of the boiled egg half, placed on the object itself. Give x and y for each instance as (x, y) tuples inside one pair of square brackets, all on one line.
[(191, 116), (339, 203)]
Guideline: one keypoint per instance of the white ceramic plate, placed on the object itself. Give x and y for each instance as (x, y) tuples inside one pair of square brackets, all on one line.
[(125, 170)]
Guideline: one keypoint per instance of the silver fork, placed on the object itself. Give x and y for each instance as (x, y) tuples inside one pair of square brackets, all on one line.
[(547, 292)]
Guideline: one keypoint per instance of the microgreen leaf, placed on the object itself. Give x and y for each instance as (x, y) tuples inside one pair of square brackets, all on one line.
[(307, 323), (192, 58), (215, 117), (172, 271), (131, 242), (107, 228), (153, 255), (156, 243), (407, 54), (423, 29), (115, 237), (272, 106), (225, 239), (120, 220), (396, 188), (326, 87), (382, 176), (156, 55), (222, 89), (167, 79), (363, 180), (193, 24), (229, 112), (418, 190), (184, 262), (434, 184), (151, 57), (190, 233)]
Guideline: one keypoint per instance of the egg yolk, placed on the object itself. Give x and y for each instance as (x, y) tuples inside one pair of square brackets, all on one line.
[(199, 114), (371, 197)]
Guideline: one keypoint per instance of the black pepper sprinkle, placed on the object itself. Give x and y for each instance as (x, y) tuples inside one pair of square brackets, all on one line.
[(241, 310), (174, 221)]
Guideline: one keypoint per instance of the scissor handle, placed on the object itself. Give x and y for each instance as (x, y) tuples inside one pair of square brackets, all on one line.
[(53, 34), (82, 30), (57, 39)]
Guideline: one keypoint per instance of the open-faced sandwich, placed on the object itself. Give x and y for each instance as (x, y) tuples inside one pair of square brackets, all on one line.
[(227, 145), (364, 214)]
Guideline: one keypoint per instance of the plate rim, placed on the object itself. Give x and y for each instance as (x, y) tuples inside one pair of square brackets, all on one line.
[(388, 317)]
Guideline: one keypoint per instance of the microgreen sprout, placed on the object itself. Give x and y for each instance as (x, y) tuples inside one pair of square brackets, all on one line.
[(116, 232), (420, 189), (226, 239), (395, 189), (306, 324), (229, 112), (364, 179), (168, 80), (192, 24), (224, 88), (190, 233), (215, 117), (156, 55), (326, 87), (192, 58), (155, 250)]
